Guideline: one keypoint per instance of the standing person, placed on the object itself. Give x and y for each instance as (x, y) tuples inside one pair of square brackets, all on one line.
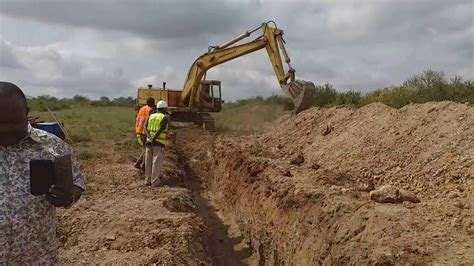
[(28, 222), (156, 129), (140, 121)]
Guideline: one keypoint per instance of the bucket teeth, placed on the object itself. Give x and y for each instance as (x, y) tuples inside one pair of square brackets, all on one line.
[(300, 92)]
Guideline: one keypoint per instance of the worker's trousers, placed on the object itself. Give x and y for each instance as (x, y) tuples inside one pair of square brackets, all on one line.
[(154, 156), (140, 164)]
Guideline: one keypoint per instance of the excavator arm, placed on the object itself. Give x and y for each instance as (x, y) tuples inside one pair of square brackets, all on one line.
[(272, 41)]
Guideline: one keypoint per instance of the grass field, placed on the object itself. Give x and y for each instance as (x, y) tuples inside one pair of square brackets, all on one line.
[(87, 123), (96, 131), (91, 123)]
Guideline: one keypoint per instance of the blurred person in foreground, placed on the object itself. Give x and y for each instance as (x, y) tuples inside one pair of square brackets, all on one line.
[(28, 222)]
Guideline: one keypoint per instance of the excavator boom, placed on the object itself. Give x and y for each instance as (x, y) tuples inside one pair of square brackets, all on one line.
[(272, 40)]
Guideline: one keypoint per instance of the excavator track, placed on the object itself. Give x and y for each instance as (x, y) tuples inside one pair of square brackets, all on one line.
[(206, 121)]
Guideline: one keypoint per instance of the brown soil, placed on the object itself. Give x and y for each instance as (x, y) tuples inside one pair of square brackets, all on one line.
[(297, 194), (300, 192), (119, 220)]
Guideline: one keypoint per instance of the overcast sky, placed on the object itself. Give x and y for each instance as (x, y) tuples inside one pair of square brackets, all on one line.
[(109, 48)]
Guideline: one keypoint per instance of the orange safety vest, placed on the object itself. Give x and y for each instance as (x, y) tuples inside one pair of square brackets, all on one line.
[(142, 117)]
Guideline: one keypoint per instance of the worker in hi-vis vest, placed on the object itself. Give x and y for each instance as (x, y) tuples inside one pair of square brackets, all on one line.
[(156, 130), (142, 117)]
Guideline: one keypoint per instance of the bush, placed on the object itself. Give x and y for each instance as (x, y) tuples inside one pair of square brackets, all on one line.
[(284, 101), (395, 97), (426, 87), (41, 103), (324, 95), (349, 98)]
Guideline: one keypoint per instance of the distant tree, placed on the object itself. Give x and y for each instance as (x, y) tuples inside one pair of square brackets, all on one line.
[(80, 99), (104, 99), (122, 101)]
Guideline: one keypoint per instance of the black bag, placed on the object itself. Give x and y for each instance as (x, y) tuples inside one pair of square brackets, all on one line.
[(45, 173)]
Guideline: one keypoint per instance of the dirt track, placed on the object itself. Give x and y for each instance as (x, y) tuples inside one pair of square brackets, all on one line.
[(121, 221), (297, 194)]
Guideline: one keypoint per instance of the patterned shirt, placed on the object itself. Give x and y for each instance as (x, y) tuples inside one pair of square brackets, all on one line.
[(28, 222)]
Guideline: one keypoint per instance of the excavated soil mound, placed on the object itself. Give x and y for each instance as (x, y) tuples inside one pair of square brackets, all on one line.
[(303, 192), (418, 147)]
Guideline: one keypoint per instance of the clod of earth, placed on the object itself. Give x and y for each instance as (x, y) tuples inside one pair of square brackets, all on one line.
[(327, 130), (390, 194), (406, 195), (110, 237), (315, 166), (367, 187), (298, 159)]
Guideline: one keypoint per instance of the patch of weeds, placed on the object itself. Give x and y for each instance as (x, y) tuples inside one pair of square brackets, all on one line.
[(80, 138), (85, 155)]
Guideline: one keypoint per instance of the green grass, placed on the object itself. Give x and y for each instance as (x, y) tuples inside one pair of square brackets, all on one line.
[(93, 124), (88, 123)]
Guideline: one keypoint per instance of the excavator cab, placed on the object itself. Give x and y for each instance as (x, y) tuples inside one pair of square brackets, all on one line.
[(211, 95)]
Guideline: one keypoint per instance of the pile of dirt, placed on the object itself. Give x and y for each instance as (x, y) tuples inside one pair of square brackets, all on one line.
[(300, 193), (418, 147)]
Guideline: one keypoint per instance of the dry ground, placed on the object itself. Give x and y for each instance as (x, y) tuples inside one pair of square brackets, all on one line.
[(296, 194)]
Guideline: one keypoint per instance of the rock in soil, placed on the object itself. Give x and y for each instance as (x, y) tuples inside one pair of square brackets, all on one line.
[(386, 194), (390, 194), (298, 159)]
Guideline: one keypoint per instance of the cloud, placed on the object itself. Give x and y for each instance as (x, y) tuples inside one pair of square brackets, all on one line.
[(7, 57), (46, 70), (169, 19), (110, 47)]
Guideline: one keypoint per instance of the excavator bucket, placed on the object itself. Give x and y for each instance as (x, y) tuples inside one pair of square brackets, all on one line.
[(300, 92)]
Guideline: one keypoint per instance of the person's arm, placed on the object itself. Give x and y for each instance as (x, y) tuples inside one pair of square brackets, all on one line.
[(163, 125), (147, 134)]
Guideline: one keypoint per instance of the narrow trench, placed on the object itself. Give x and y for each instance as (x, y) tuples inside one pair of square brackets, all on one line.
[(222, 248)]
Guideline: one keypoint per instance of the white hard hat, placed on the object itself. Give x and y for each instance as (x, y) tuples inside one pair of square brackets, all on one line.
[(162, 104)]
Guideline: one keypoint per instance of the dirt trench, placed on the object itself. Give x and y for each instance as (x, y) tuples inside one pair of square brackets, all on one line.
[(306, 200), (119, 220), (223, 240), (265, 199)]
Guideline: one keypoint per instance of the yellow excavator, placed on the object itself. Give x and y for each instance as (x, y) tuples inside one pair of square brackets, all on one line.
[(199, 96)]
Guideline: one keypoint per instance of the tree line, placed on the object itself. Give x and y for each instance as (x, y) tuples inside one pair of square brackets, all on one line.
[(425, 87), (429, 86), (41, 103)]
